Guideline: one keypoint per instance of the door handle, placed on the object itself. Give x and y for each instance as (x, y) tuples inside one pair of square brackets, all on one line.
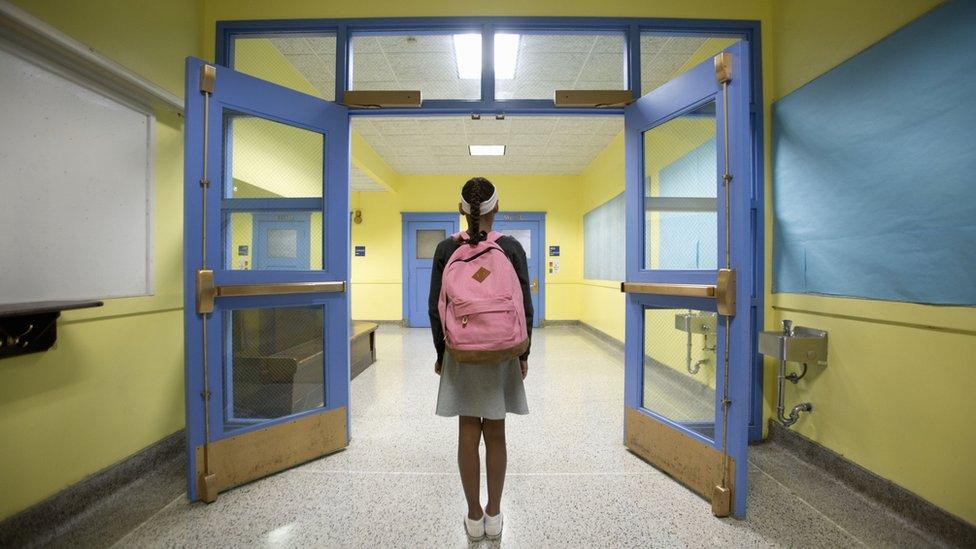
[(534, 286), (723, 291), (207, 291)]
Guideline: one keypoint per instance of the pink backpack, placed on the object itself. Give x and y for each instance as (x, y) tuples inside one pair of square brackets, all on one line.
[(481, 304)]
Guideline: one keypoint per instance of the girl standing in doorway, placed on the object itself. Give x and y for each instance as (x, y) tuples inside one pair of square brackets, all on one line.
[(480, 394)]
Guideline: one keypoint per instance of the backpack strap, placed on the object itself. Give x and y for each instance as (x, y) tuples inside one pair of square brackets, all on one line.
[(493, 236)]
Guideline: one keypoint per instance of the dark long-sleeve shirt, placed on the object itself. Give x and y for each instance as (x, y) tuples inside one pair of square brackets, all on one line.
[(513, 250)]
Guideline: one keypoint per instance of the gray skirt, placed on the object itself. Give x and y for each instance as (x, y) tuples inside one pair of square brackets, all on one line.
[(481, 390)]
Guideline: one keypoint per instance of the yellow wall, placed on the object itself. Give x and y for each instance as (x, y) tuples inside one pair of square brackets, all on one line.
[(376, 278), (896, 396), (113, 384)]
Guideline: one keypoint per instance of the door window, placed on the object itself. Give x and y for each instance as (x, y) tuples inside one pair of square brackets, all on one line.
[(524, 236), (679, 367), (427, 241), (680, 217), (274, 365)]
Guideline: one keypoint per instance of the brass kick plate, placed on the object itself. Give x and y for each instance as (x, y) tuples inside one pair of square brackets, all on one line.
[(378, 99), (593, 98)]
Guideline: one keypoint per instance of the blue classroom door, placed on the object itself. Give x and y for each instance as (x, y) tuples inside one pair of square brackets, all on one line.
[(529, 230), (690, 279), (267, 345), (422, 232)]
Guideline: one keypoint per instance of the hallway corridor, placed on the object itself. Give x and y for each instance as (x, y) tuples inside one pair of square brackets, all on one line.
[(570, 481)]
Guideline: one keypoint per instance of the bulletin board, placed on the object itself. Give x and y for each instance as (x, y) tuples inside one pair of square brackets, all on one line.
[(874, 170)]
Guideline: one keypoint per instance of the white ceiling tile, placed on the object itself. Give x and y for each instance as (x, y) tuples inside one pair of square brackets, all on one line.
[(371, 67), (417, 43), (552, 43), (291, 44), (322, 45), (604, 66), (610, 43), (396, 126), (365, 44)]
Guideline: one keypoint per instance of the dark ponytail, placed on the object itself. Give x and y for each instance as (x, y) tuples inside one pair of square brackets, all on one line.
[(474, 192)]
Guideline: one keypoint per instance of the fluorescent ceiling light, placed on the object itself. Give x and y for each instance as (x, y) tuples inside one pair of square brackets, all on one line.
[(486, 150), (506, 55), (467, 53)]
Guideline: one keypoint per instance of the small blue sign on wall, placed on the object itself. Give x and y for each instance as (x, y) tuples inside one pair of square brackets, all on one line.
[(360, 251), (242, 249), (554, 251)]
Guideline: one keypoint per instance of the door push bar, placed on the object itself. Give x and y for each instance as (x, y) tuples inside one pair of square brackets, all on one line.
[(723, 291), (207, 291)]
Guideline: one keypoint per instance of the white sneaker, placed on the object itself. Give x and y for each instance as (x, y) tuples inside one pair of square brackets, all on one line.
[(475, 528), (493, 526)]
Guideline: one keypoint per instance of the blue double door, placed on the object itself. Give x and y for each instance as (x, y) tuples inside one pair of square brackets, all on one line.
[(266, 243), (691, 279)]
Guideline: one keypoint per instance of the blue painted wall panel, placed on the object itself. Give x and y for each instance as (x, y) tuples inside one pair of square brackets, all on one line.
[(873, 167)]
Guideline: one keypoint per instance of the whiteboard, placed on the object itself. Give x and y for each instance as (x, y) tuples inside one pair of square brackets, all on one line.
[(75, 187)]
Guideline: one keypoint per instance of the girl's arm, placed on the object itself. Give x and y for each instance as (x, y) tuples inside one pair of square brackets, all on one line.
[(441, 255), (515, 252)]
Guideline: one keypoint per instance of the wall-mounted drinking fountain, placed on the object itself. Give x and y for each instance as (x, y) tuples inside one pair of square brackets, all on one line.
[(697, 323), (799, 344)]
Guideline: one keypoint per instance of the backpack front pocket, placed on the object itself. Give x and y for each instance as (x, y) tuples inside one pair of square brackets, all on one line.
[(484, 322)]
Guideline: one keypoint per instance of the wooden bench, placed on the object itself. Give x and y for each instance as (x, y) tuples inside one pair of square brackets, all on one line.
[(290, 381), (362, 347)]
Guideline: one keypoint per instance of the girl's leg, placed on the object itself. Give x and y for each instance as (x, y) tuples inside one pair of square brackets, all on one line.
[(469, 463), (496, 459)]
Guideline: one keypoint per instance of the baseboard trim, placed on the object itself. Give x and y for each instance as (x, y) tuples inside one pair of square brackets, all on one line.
[(922, 513), (604, 337), (66, 511)]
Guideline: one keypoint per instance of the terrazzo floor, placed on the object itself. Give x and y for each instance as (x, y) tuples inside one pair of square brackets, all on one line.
[(570, 483)]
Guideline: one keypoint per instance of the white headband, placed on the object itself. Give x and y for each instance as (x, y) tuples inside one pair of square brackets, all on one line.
[(486, 205)]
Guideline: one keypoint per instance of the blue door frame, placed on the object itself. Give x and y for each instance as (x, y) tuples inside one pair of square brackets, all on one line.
[(208, 205), (680, 96), (416, 272), (535, 222), (748, 31)]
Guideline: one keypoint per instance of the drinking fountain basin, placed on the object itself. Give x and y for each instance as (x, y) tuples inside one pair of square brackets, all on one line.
[(805, 345), (695, 323)]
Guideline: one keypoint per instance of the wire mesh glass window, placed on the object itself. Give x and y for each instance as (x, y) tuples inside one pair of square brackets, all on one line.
[(427, 241), (680, 185), (268, 159), (533, 65), (604, 241), (679, 367), (304, 62), (665, 56), (441, 66), (274, 367)]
